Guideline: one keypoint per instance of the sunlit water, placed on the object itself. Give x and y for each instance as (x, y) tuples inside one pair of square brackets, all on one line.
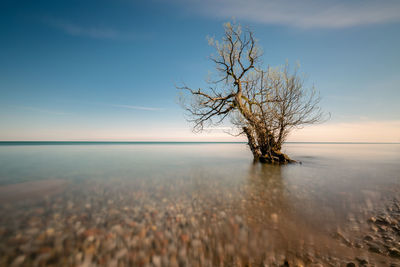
[(336, 186)]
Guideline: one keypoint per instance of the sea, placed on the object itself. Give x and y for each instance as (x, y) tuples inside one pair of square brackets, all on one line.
[(65, 188)]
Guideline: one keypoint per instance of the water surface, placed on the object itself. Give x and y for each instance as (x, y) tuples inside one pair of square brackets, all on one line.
[(294, 208)]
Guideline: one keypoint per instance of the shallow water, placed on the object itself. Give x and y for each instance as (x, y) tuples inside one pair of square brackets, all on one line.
[(299, 212)]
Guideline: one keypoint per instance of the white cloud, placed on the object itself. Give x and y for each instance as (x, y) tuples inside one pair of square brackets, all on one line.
[(95, 32), (101, 33), (301, 13)]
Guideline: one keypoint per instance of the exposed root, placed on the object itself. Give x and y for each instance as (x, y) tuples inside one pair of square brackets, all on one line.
[(276, 157)]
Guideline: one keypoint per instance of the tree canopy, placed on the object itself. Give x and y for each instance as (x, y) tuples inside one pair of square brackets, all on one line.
[(264, 104)]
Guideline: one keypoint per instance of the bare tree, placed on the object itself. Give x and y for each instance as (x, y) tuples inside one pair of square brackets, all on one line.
[(264, 104)]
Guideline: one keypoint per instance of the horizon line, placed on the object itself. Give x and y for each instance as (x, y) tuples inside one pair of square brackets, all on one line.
[(3, 142)]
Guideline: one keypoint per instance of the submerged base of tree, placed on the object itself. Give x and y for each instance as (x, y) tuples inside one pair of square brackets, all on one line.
[(276, 157)]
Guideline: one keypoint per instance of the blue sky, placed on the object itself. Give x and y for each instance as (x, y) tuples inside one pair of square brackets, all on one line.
[(107, 70)]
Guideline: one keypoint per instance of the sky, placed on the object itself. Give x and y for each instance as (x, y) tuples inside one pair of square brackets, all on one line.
[(107, 69)]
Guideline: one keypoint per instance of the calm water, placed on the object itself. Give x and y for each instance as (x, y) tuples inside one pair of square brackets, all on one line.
[(327, 170), (327, 163), (335, 184)]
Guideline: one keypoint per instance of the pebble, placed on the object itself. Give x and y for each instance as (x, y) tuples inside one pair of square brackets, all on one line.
[(139, 226), (362, 260), (50, 231), (18, 261), (395, 253), (368, 238), (274, 217), (374, 248)]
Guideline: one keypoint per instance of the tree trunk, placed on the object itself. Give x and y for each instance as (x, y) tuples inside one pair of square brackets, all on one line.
[(252, 144), (264, 148)]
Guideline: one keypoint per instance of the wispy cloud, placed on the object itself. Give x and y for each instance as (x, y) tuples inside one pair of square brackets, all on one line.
[(40, 110), (137, 107), (218, 128), (95, 32), (302, 13)]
